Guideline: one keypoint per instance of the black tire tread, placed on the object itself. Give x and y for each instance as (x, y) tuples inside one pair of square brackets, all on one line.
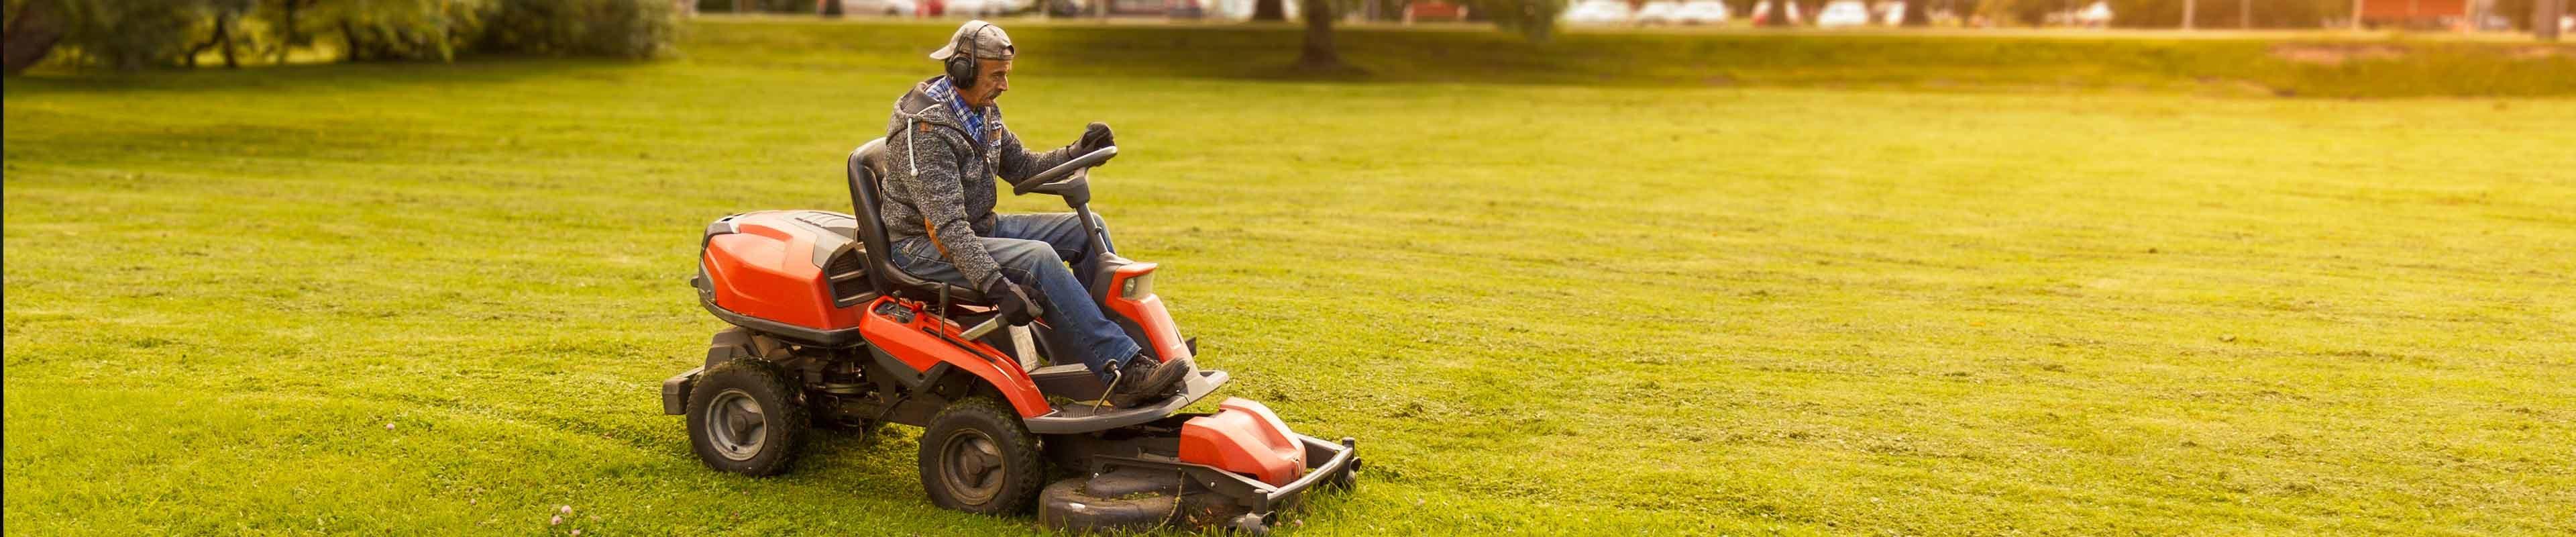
[(1019, 447), (767, 384)]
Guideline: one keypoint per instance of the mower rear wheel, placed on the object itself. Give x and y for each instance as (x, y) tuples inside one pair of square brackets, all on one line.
[(745, 418), (978, 457)]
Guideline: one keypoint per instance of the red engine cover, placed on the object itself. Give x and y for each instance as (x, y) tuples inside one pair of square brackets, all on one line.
[(1245, 438), (770, 265)]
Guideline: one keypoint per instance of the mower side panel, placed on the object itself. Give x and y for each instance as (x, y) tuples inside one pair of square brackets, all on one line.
[(1244, 437), (918, 345)]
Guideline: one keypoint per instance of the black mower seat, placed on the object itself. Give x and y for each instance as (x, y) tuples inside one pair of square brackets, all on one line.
[(867, 163)]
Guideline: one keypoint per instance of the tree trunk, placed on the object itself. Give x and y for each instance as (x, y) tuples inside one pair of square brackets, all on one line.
[(189, 60), (287, 21), (2245, 14), (1318, 54), (1269, 10), (1914, 13), (32, 36), (1778, 14), (356, 50), (2188, 8), (224, 34), (2544, 19)]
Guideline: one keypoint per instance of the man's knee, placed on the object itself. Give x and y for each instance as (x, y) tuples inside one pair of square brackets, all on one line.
[(1023, 259)]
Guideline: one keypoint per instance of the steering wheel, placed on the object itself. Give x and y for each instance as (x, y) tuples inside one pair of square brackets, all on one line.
[(1070, 172)]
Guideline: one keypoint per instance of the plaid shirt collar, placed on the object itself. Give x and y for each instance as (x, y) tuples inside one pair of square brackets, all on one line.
[(946, 91)]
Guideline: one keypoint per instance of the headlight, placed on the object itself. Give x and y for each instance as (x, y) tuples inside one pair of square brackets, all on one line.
[(1137, 286)]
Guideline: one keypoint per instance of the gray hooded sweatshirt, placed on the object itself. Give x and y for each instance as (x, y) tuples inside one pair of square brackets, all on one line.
[(940, 185)]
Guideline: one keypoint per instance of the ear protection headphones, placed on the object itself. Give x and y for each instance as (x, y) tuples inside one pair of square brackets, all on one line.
[(962, 69)]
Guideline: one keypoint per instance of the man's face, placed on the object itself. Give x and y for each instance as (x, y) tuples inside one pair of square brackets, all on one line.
[(989, 84)]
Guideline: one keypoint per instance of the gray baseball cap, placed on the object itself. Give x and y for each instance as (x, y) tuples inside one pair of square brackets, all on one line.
[(989, 42)]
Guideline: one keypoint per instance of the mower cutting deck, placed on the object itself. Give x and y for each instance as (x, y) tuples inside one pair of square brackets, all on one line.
[(827, 334)]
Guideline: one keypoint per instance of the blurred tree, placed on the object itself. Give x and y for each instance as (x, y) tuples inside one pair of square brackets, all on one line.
[(287, 31), (132, 34), (379, 30), (2018, 12), (2545, 15), (1318, 55), (33, 28), (1269, 10), (1533, 19), (611, 28), (226, 15), (1740, 8), (1777, 14), (1914, 13)]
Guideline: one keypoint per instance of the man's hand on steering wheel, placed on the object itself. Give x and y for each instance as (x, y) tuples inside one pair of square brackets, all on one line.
[(1011, 301), (1094, 137)]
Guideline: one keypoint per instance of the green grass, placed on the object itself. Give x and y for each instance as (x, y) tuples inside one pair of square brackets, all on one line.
[(439, 299)]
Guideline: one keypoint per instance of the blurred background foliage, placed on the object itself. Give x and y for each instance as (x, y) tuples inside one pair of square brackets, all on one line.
[(132, 34)]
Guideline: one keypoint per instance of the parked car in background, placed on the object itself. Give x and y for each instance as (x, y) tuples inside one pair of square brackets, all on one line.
[(877, 7), (1843, 14), (1659, 12), (1241, 10), (1596, 12), (983, 8), (2096, 16), (1701, 12), (1433, 10)]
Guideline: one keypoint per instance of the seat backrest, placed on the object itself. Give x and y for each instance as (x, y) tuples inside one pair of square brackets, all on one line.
[(867, 197), (867, 163)]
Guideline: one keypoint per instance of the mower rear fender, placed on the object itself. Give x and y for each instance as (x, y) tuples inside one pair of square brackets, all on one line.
[(928, 341)]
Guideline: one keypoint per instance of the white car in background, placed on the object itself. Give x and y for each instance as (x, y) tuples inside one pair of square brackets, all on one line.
[(1241, 10), (1658, 12), (984, 9), (1843, 14), (1701, 12), (877, 7), (1596, 12), (2096, 16)]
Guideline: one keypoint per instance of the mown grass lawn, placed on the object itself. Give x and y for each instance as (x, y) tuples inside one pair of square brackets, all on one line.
[(438, 299)]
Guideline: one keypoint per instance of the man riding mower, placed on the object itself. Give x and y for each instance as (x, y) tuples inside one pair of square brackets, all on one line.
[(911, 310)]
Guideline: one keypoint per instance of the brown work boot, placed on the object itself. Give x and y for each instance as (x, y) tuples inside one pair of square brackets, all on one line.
[(1144, 379)]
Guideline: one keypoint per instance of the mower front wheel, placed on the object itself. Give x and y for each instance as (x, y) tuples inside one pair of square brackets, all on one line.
[(977, 457), (745, 418)]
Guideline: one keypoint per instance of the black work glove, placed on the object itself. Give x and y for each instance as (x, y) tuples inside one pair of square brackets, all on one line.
[(1011, 301), (1094, 137)]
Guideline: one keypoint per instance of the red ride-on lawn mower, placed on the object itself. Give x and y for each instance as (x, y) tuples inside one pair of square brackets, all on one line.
[(826, 331)]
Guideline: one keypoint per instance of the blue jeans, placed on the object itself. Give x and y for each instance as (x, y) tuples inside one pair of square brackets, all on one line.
[(1032, 249)]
